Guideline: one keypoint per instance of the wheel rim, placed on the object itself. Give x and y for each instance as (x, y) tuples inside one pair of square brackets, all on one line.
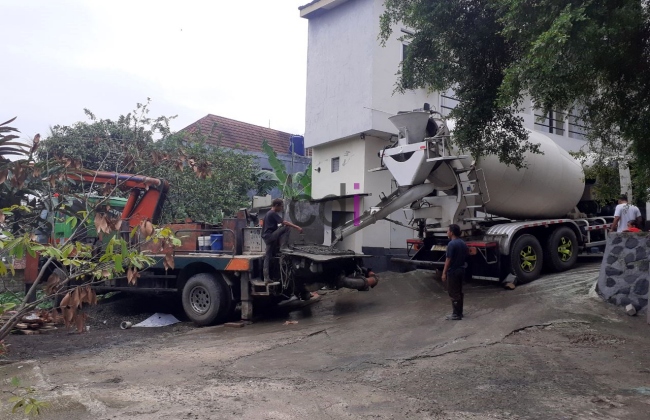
[(200, 299), (527, 259), (565, 249)]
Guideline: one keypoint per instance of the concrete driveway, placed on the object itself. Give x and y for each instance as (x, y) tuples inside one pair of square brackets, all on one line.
[(543, 351)]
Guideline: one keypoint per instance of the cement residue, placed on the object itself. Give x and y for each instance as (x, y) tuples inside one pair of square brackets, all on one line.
[(385, 354)]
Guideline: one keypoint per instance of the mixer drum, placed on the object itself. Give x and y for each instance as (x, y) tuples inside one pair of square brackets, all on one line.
[(549, 187)]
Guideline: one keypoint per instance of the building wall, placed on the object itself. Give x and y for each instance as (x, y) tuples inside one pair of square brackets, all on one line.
[(386, 59), (339, 72), (350, 154), (377, 235)]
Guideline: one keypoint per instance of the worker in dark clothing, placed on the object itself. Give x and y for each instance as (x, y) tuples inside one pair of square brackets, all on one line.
[(275, 233), (454, 271)]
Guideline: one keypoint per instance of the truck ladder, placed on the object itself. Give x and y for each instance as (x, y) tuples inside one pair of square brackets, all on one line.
[(472, 188)]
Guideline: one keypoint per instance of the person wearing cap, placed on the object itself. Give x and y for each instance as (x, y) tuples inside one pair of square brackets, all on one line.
[(624, 213)]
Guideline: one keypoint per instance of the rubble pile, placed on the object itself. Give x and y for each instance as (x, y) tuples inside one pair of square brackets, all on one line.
[(37, 322)]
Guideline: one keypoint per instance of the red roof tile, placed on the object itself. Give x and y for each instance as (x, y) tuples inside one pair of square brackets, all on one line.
[(240, 135)]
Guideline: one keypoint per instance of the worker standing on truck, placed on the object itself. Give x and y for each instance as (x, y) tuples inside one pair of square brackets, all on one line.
[(275, 234), (624, 213), (454, 271)]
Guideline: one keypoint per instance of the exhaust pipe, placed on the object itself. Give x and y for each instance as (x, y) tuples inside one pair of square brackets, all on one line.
[(361, 284)]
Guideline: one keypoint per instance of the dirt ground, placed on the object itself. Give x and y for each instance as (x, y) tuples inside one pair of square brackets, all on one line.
[(546, 350)]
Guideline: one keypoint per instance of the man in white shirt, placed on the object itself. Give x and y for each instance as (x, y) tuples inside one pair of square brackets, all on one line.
[(624, 213)]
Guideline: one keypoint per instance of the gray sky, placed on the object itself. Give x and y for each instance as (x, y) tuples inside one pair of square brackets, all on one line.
[(243, 59)]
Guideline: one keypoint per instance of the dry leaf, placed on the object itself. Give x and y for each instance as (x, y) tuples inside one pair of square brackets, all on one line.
[(19, 176), (101, 225), (53, 284), (107, 189), (67, 310), (146, 228), (54, 316), (132, 275), (80, 321), (3, 175), (2, 217), (37, 139)]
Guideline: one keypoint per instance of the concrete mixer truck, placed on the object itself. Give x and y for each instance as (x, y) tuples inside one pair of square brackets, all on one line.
[(515, 221)]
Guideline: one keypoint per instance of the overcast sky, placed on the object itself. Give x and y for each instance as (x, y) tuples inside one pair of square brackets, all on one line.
[(243, 59)]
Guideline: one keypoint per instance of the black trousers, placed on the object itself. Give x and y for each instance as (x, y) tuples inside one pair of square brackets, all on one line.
[(455, 284), (273, 242)]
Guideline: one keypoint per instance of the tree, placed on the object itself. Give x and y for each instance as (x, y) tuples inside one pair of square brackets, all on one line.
[(207, 181), (114, 146), (293, 186), (588, 57), (83, 263)]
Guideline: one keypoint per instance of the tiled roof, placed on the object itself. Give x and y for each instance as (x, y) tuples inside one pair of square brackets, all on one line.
[(240, 135)]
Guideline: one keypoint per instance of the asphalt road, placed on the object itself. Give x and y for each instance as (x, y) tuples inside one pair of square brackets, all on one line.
[(543, 351)]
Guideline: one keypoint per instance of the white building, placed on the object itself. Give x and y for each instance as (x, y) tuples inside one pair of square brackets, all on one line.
[(350, 83)]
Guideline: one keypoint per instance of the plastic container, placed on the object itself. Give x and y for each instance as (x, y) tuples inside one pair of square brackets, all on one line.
[(216, 242), (297, 145), (204, 243)]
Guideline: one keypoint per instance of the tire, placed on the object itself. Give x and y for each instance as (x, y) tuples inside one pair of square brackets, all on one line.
[(205, 299), (526, 258), (561, 252)]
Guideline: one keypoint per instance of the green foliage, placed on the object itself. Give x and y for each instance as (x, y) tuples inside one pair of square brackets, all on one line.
[(82, 262), (607, 186), (456, 45), (23, 399), (206, 182), (16, 299), (292, 186), (104, 144), (582, 56)]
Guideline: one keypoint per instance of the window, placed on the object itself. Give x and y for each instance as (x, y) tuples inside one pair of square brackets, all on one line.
[(335, 164), (576, 127), (550, 122), (447, 103), (406, 82)]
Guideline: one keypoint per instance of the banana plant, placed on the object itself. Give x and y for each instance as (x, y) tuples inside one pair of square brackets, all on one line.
[(293, 186)]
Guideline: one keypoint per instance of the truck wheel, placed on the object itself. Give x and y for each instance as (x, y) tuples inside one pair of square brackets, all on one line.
[(205, 299), (561, 251), (526, 258)]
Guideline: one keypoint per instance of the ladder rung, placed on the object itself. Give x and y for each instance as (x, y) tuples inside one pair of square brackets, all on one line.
[(475, 207), (471, 194)]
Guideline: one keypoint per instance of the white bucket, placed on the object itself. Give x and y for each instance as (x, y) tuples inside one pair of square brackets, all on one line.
[(204, 243)]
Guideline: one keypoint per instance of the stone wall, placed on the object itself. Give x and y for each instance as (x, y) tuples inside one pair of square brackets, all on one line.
[(624, 275)]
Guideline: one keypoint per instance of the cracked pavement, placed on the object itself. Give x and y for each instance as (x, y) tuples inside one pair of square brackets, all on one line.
[(543, 351)]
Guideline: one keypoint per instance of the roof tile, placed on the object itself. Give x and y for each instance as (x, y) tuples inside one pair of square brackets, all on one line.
[(240, 135)]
